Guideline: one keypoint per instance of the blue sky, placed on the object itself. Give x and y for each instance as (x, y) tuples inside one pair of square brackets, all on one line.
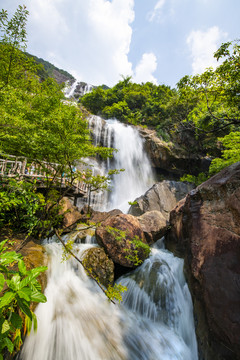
[(98, 41)]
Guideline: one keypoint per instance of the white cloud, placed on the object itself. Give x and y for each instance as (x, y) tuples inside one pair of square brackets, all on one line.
[(90, 39), (202, 45), (157, 11), (145, 69)]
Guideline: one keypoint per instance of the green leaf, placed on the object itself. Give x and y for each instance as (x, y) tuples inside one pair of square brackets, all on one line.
[(24, 307), (2, 243), (5, 327), (22, 267), (36, 296), (1, 357), (24, 293), (16, 320), (14, 284), (7, 298), (34, 321), (2, 281), (9, 344)]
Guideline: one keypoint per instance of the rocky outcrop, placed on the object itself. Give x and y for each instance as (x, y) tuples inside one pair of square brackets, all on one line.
[(99, 265), (163, 196), (205, 229), (154, 225), (70, 212), (116, 236), (169, 157)]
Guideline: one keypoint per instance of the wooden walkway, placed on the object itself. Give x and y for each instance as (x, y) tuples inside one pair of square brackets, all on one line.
[(20, 167)]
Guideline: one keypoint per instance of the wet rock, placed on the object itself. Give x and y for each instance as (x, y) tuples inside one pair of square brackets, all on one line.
[(94, 216), (116, 236), (205, 229), (162, 196), (154, 225), (99, 265)]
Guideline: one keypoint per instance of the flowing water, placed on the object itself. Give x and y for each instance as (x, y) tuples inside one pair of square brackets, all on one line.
[(137, 176), (155, 319)]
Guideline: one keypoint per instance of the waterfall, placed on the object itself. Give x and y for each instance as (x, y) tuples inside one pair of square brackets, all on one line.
[(77, 89), (137, 176), (154, 321)]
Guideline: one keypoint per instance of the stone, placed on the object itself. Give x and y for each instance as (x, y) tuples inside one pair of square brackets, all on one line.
[(205, 229), (71, 214), (172, 158), (154, 225), (99, 265), (162, 196), (118, 244)]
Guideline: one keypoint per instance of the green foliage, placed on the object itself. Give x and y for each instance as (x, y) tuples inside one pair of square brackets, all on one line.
[(129, 102), (20, 205), (197, 180), (132, 203), (118, 234), (23, 209), (115, 292), (19, 289), (133, 253), (136, 245), (230, 155)]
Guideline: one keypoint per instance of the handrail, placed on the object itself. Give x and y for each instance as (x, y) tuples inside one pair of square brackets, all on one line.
[(36, 169)]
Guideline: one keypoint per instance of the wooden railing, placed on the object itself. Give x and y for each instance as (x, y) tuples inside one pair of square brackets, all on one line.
[(12, 166)]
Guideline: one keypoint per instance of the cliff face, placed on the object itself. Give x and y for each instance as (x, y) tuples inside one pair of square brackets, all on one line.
[(205, 230), (170, 158)]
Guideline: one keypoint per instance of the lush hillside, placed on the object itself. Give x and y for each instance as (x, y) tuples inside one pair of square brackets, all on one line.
[(201, 115), (49, 70)]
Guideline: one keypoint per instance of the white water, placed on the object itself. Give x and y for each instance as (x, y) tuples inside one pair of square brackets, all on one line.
[(137, 176), (155, 319), (77, 89), (154, 322)]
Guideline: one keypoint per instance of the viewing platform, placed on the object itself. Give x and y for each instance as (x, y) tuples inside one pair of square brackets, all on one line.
[(43, 172)]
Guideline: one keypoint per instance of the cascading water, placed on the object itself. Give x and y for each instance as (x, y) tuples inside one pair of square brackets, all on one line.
[(155, 319), (137, 176)]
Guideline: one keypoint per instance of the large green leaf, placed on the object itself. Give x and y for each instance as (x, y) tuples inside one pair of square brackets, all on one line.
[(7, 298), (9, 344), (16, 320), (14, 283), (24, 293), (24, 307), (22, 267), (36, 296), (5, 327)]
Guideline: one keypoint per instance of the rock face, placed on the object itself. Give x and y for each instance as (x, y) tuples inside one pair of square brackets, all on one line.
[(168, 157), (70, 212), (154, 225), (163, 196), (205, 228), (118, 243), (99, 264)]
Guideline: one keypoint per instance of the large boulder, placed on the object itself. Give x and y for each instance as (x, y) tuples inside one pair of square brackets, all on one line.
[(205, 229), (118, 236), (99, 265), (162, 196), (154, 225), (71, 214)]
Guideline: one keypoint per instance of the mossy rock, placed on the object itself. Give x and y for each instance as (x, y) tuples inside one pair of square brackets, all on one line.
[(99, 265)]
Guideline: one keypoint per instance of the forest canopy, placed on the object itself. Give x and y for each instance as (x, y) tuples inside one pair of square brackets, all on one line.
[(199, 115)]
